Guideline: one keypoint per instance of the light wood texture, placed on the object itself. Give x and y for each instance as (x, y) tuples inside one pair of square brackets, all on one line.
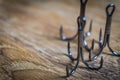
[(30, 48)]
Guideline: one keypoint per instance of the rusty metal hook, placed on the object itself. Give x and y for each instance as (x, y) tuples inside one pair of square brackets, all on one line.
[(80, 44), (81, 25), (82, 13), (107, 32)]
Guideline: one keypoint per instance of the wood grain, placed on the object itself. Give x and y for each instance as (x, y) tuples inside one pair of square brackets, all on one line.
[(30, 48)]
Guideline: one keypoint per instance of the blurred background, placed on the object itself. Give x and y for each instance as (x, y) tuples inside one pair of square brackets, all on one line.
[(32, 28)]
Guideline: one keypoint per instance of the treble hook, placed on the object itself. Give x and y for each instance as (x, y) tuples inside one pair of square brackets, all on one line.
[(81, 25), (82, 13), (100, 43), (80, 44), (107, 32)]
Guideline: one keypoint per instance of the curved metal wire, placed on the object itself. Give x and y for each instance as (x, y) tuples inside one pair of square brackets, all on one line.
[(81, 20), (81, 25), (82, 13), (106, 40), (64, 38), (91, 67), (70, 72)]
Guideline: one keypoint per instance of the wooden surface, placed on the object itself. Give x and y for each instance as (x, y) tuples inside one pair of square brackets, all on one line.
[(30, 48)]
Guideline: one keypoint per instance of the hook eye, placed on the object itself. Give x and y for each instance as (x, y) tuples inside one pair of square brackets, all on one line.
[(110, 9), (83, 1)]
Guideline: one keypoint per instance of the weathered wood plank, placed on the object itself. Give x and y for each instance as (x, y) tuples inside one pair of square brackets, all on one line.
[(30, 48)]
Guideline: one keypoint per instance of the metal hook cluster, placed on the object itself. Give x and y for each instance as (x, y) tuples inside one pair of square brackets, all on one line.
[(81, 25), (82, 13), (82, 43), (107, 33)]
